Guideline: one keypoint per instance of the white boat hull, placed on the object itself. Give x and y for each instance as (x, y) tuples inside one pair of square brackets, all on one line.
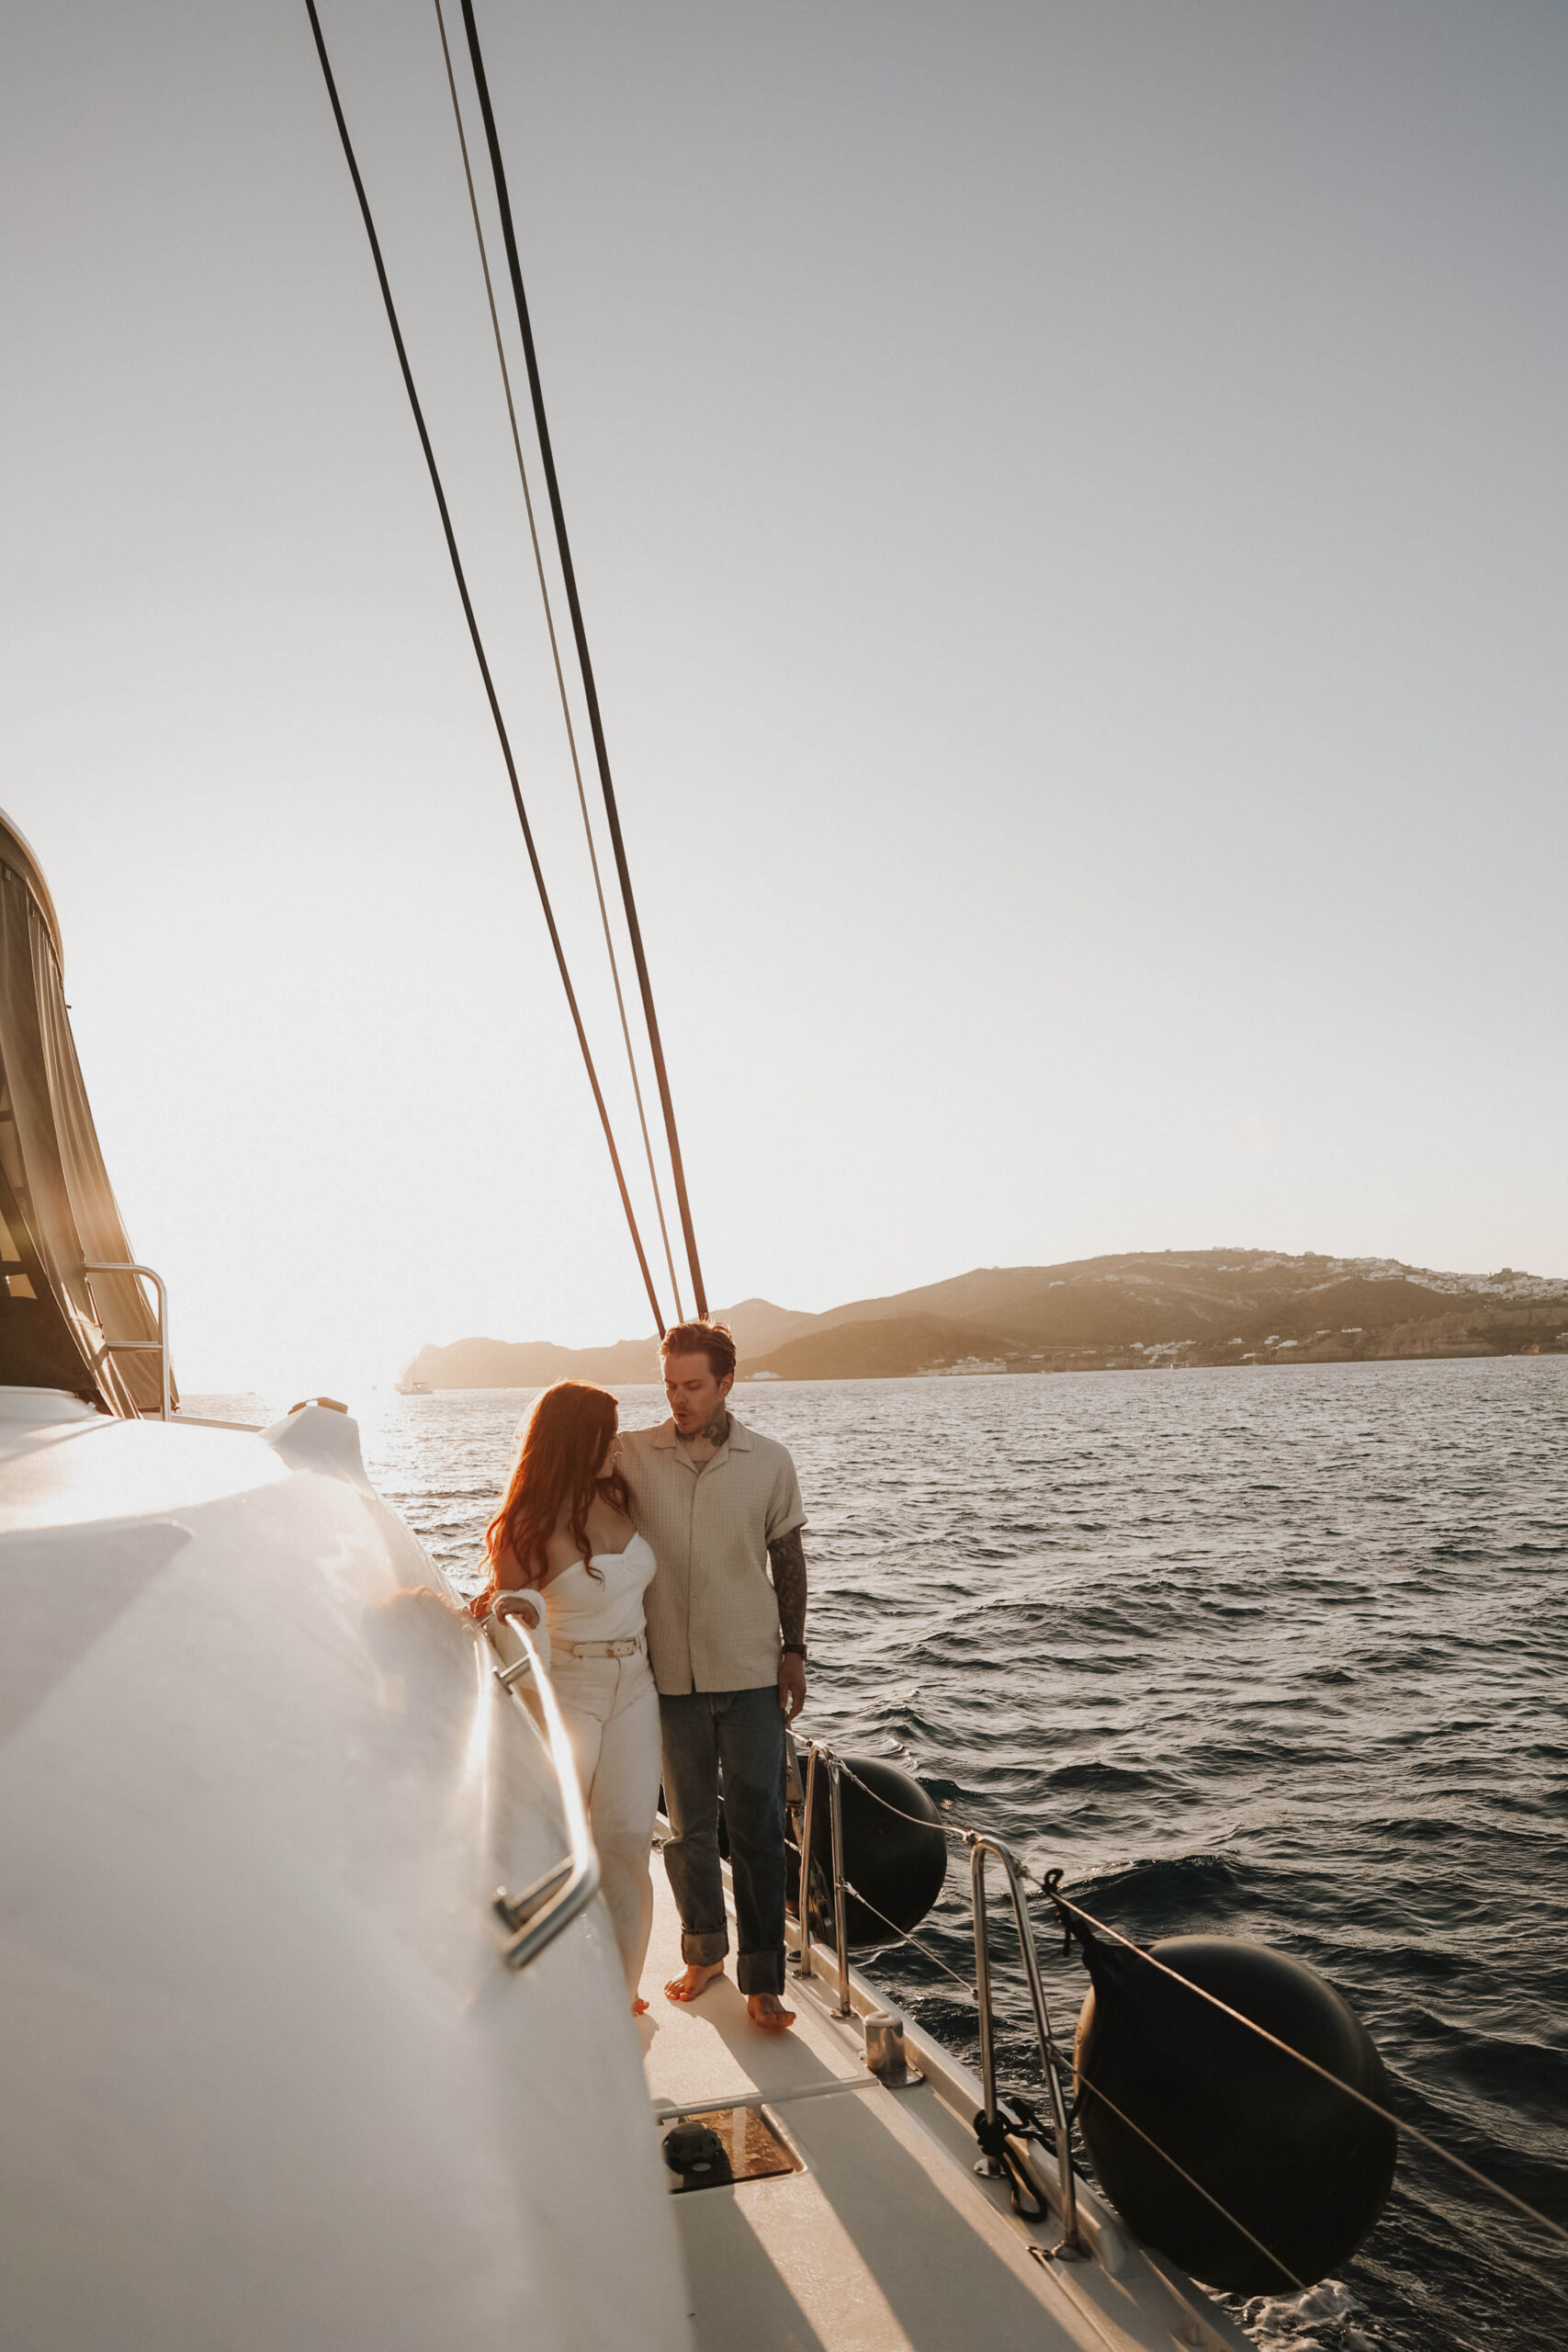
[(267, 2082)]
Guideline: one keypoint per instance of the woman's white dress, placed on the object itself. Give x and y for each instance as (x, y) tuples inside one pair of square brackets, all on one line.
[(610, 1709)]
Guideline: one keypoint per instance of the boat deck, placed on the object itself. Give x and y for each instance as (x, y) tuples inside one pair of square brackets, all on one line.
[(885, 2241)]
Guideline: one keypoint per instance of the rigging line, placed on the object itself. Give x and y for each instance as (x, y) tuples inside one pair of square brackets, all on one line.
[(1399, 2123), (555, 656), (590, 692), (905, 1935), (952, 1830), (468, 615)]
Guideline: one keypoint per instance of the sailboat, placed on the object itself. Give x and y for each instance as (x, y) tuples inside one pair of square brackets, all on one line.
[(316, 2030)]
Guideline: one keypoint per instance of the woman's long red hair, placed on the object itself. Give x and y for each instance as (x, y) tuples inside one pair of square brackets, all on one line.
[(565, 1438)]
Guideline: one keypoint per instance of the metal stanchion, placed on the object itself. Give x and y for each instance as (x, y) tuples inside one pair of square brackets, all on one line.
[(840, 1935), (803, 1964), (989, 2166), (1071, 2248)]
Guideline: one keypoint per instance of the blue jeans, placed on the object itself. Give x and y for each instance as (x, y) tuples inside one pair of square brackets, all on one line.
[(740, 1734)]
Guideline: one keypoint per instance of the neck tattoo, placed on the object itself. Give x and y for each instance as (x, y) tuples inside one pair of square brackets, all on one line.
[(713, 1432)]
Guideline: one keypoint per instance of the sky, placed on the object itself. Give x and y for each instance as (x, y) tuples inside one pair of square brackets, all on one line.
[(1069, 502)]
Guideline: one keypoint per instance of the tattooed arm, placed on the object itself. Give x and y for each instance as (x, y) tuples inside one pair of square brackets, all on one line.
[(788, 1554)]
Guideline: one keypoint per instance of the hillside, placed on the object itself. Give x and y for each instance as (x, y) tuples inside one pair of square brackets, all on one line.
[(1210, 1306), (890, 1348), (534, 1364), (1139, 1310)]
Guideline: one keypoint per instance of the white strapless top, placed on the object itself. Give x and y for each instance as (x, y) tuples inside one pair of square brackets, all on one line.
[(606, 1607)]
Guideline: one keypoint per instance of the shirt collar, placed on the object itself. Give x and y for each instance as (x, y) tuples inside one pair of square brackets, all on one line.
[(738, 1441)]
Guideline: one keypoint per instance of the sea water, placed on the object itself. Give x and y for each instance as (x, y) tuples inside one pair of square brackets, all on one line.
[(1269, 1653)]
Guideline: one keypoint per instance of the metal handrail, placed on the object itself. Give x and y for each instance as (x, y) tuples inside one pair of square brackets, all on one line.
[(836, 1842), (158, 1347), (536, 1917), (803, 1840), (980, 1848), (816, 1748)]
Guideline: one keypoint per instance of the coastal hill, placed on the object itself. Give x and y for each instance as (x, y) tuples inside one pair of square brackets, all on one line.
[(534, 1364), (1144, 1310)]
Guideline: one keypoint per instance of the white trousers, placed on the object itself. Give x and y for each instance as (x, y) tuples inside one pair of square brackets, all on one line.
[(610, 1706)]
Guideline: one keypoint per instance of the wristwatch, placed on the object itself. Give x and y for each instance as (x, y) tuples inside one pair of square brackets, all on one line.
[(795, 1649)]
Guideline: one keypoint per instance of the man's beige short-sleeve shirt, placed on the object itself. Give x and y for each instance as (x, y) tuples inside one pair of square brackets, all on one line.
[(713, 1616)]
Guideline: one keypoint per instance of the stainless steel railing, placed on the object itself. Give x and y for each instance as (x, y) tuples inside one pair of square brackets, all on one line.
[(817, 1749), (536, 1918), (158, 1347), (981, 1847), (819, 1756)]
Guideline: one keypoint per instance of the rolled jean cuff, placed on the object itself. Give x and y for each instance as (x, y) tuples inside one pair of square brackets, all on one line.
[(705, 1952), (759, 1971)]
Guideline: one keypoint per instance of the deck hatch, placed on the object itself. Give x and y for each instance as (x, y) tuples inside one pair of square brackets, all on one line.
[(715, 2147)]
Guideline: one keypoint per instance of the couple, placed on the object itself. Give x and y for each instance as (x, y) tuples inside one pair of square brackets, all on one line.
[(652, 1551)]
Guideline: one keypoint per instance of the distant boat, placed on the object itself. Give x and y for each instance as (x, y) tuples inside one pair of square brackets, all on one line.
[(415, 1389)]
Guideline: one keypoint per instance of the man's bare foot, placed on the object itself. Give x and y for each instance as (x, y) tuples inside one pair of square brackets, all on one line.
[(640, 2006), (694, 1979), (767, 2010)]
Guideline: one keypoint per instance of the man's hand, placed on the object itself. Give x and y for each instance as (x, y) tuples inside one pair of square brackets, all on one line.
[(792, 1686)]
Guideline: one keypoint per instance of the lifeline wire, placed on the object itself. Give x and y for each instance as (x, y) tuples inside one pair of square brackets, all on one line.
[(468, 615), (1044, 1887), (905, 1936), (555, 656), (590, 692)]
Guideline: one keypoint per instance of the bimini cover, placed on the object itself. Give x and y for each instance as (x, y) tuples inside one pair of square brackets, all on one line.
[(58, 1215)]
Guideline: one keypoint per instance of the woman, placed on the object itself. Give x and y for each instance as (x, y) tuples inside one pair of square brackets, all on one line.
[(563, 1531)]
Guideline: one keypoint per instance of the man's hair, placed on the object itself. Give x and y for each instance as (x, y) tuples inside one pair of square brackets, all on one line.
[(710, 1339)]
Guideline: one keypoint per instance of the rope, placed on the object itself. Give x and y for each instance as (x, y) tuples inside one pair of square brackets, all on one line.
[(590, 692), (555, 657), (949, 1829), (1049, 1886), (469, 614), (994, 2133)]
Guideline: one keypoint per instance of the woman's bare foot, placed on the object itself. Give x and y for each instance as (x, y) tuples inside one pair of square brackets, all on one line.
[(640, 2006), (695, 1979), (767, 2010)]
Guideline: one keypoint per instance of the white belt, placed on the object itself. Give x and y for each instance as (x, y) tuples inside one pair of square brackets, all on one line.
[(630, 1648)]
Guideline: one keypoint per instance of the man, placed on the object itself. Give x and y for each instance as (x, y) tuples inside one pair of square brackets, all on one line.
[(720, 1505)]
